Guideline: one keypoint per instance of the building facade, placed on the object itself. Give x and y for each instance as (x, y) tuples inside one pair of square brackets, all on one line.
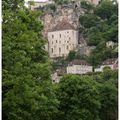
[(38, 4), (79, 67), (62, 39), (110, 44), (96, 2), (112, 63)]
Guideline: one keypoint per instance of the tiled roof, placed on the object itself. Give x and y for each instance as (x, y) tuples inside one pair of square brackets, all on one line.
[(79, 62), (110, 61), (63, 25)]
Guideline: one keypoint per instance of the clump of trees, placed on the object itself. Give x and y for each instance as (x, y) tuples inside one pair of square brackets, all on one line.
[(89, 97), (100, 26), (27, 91), (26, 83), (60, 2)]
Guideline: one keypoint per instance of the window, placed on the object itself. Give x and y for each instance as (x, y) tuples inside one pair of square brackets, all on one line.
[(59, 50), (56, 41), (52, 42), (67, 31), (69, 38), (67, 47), (60, 35), (52, 50), (59, 41), (52, 36)]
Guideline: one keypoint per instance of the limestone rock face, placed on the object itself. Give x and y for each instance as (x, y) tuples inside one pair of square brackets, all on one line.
[(68, 12)]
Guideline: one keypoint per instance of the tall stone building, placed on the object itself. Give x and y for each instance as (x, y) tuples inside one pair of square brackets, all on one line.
[(62, 39)]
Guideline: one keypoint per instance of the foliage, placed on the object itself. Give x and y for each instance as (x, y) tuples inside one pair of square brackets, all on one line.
[(106, 9), (79, 98), (71, 55), (108, 89), (86, 5), (27, 91), (60, 2), (109, 101), (101, 26), (49, 7)]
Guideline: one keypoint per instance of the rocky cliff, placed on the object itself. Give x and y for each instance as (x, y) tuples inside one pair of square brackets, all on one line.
[(69, 12)]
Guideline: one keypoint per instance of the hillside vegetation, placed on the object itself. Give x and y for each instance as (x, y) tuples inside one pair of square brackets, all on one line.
[(27, 90)]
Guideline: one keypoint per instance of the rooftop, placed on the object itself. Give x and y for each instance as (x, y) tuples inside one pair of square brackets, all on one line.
[(63, 25), (79, 62), (110, 61)]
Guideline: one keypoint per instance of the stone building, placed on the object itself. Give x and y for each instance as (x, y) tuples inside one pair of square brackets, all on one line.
[(79, 67), (96, 2), (110, 44), (38, 3), (112, 63), (62, 39)]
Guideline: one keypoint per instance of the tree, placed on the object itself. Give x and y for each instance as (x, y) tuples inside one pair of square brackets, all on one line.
[(60, 2), (108, 89), (106, 9), (109, 101), (71, 55), (87, 6), (27, 91), (79, 98), (101, 26)]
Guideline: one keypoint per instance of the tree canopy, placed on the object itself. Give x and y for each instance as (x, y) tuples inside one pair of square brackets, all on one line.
[(99, 27), (27, 90)]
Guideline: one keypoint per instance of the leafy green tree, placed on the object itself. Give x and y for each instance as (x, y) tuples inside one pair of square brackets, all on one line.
[(106, 9), (87, 5), (109, 101), (101, 26), (89, 20), (60, 2), (71, 55), (27, 91), (79, 98)]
